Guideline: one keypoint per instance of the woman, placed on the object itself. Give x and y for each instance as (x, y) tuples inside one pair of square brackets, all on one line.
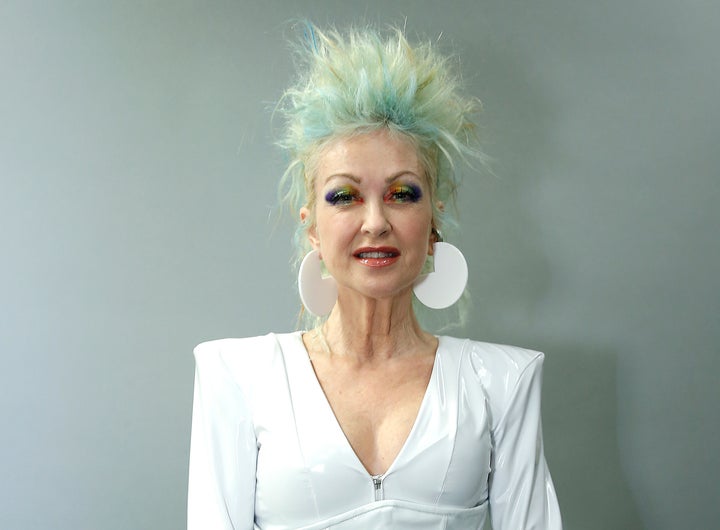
[(367, 420)]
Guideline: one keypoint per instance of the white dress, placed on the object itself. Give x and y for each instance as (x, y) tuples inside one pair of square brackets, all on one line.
[(268, 453)]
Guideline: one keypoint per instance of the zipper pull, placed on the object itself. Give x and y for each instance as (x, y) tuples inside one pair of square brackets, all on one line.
[(378, 485)]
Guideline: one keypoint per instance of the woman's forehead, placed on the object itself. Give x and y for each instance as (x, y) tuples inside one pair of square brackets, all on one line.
[(378, 154)]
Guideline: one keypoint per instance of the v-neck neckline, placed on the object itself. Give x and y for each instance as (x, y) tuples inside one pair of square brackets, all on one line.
[(319, 396)]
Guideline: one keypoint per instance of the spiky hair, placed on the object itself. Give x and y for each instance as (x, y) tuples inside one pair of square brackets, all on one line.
[(363, 80)]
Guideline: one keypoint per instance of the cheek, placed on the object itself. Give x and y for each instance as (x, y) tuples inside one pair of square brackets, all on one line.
[(330, 230), (322, 222), (421, 226)]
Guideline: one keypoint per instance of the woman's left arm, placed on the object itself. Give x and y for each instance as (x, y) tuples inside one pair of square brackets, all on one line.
[(522, 496)]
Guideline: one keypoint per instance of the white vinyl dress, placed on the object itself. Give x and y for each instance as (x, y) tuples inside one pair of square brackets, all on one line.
[(268, 453)]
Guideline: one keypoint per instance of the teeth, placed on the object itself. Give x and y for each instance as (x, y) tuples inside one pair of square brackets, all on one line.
[(375, 255)]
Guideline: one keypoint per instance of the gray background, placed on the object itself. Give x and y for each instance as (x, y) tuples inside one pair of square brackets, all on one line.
[(137, 201)]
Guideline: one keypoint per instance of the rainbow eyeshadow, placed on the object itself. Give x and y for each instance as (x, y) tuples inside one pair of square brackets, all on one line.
[(404, 193), (342, 195)]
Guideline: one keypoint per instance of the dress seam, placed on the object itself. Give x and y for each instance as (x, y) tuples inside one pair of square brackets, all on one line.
[(538, 358), (457, 397)]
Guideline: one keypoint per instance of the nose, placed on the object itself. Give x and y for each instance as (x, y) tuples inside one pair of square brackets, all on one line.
[(376, 222)]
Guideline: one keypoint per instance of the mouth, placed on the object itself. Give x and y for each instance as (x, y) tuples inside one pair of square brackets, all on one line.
[(363, 255), (377, 257)]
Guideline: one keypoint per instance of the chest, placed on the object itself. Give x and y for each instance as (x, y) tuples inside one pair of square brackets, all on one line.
[(307, 466), (376, 409)]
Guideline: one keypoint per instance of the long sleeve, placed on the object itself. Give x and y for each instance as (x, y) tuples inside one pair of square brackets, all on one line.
[(223, 449), (522, 496)]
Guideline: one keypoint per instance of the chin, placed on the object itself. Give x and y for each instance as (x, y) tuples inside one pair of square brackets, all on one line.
[(385, 293)]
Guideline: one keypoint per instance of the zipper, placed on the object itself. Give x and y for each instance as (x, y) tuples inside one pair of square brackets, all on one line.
[(378, 486)]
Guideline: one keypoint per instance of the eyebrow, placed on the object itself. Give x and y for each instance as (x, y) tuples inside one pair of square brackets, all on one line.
[(358, 180)]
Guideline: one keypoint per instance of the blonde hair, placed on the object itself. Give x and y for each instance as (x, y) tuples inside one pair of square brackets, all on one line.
[(365, 80)]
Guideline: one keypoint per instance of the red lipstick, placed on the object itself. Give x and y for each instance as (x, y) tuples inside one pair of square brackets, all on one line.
[(377, 256)]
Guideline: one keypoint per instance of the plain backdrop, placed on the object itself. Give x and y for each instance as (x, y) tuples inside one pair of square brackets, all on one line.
[(138, 182)]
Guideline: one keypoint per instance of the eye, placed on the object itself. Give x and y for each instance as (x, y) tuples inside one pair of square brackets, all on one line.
[(343, 195), (404, 193)]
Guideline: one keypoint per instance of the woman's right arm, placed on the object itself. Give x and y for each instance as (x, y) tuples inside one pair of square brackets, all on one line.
[(223, 449)]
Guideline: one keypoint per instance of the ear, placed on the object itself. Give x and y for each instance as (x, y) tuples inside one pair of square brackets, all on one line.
[(432, 240), (433, 230), (311, 230)]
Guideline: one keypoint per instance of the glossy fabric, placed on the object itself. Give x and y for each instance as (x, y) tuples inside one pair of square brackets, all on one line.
[(267, 451)]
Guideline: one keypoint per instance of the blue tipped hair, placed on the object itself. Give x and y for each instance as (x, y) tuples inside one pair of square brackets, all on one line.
[(364, 80)]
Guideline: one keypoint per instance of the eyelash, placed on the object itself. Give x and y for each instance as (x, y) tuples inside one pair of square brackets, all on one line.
[(401, 193), (404, 193), (343, 195)]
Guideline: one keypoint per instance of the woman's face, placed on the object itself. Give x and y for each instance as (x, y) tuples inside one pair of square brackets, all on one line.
[(373, 214)]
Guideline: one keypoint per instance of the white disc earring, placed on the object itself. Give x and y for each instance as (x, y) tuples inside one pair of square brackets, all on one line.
[(318, 294), (445, 285)]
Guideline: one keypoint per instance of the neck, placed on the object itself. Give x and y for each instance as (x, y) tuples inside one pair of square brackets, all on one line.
[(374, 329)]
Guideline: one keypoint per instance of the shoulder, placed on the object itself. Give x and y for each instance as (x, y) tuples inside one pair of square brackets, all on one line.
[(240, 358), (502, 370), (488, 358), (232, 346)]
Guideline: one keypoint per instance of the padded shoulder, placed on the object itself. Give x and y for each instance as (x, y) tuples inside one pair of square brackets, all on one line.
[(243, 360), (500, 369), (234, 346)]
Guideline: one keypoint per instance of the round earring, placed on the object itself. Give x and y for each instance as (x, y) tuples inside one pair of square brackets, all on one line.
[(443, 286), (318, 294)]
